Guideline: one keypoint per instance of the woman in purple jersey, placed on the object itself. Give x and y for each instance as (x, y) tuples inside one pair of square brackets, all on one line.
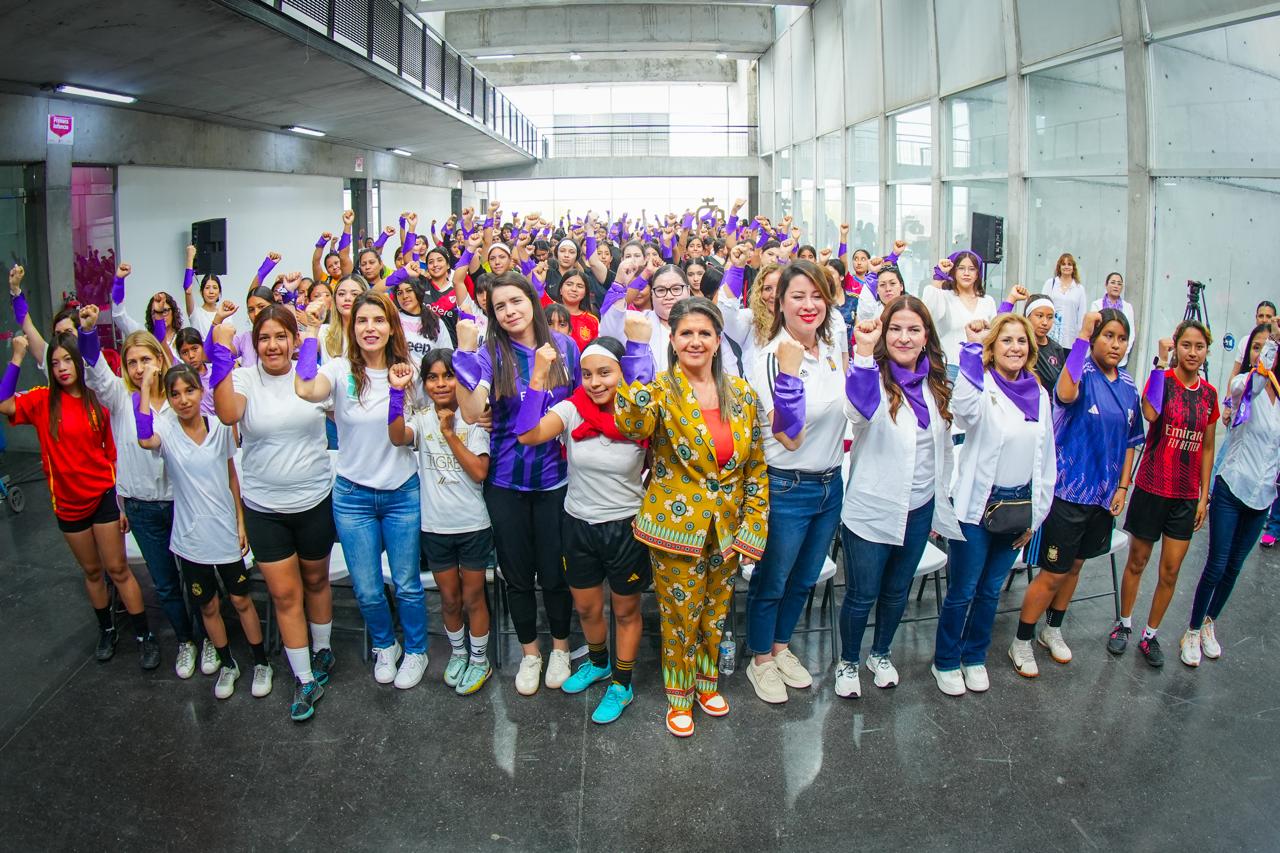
[(526, 485)]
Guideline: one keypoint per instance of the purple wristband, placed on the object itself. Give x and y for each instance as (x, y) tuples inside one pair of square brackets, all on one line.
[(638, 283), (9, 382), (939, 275), (188, 278), (265, 269), (733, 279), (410, 240), (687, 222), (764, 238), (344, 241), (1154, 392), (402, 223), (221, 363), (466, 367), (433, 228), (533, 405), (395, 278), (1075, 359), (527, 265), (117, 290), (159, 329), (395, 405), (538, 285), (144, 421), (842, 249), (788, 405), (637, 362), (971, 363), (324, 241), (732, 227), (861, 387), (488, 222), (90, 345), (589, 247), (465, 260), (308, 359), (1006, 307), (381, 240), (20, 310)]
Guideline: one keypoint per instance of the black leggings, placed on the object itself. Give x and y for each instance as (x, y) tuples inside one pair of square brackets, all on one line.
[(526, 533)]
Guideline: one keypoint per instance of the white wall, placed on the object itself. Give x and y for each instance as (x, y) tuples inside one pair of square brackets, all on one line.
[(265, 212), (428, 202)]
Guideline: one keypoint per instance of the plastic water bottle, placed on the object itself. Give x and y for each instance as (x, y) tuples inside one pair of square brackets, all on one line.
[(728, 654)]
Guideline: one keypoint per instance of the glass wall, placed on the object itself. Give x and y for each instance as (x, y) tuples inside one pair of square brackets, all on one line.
[(1077, 116), (93, 232), (556, 197), (831, 189), (977, 131), (863, 169)]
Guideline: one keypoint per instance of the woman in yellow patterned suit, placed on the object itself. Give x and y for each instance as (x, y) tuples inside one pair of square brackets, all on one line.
[(707, 502)]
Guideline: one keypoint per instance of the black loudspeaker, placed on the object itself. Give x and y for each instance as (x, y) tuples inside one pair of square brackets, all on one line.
[(210, 239), (455, 201), (987, 237)]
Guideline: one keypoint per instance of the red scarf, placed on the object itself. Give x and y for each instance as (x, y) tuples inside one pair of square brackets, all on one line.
[(596, 420)]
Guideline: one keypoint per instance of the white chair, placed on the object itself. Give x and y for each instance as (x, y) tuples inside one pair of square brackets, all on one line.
[(826, 609), (932, 563)]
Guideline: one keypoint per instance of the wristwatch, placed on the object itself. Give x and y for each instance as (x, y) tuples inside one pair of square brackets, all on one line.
[(1155, 362)]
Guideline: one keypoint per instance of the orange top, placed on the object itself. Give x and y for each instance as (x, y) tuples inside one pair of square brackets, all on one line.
[(721, 435)]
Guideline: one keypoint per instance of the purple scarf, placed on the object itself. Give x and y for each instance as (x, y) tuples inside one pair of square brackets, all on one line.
[(1023, 391), (912, 384), (1118, 305)]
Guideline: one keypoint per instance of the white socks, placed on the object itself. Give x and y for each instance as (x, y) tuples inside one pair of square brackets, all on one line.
[(479, 648), (1127, 621), (457, 640), (320, 634), (300, 663), (1149, 632)]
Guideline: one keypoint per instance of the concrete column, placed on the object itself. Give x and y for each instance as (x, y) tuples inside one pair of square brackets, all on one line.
[(1140, 221), (60, 255), (1016, 94)]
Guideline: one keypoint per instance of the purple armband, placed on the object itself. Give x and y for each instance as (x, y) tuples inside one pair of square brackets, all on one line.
[(463, 315), (1006, 307), (410, 240), (395, 405), (9, 382), (527, 265), (159, 329), (20, 307), (117, 290), (637, 362), (891, 258), (308, 359), (143, 420), (188, 278), (533, 405), (344, 241), (323, 241), (612, 296), (638, 283), (861, 388), (732, 227), (402, 223), (465, 260), (665, 250), (222, 362), (971, 363), (488, 222), (939, 275), (380, 241), (589, 247), (538, 285), (842, 249), (687, 222), (395, 278), (265, 270), (788, 405), (1075, 359), (1154, 392), (733, 278), (467, 369), (90, 345), (764, 238)]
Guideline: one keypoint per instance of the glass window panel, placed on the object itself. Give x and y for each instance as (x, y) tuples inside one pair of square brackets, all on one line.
[(908, 64), (803, 89), (963, 200), (1083, 216), (862, 67), (804, 172), (827, 59), (782, 131), (864, 223), (970, 42), (1048, 28), (977, 140), (864, 153), (912, 218), (912, 135), (1076, 116), (782, 171)]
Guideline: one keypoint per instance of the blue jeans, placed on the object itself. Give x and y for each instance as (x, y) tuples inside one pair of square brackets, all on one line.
[(979, 566), (152, 523), (879, 575), (1234, 529), (369, 521), (804, 510), (1272, 526)]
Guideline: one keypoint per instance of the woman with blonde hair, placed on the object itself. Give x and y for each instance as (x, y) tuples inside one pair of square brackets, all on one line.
[(1069, 302)]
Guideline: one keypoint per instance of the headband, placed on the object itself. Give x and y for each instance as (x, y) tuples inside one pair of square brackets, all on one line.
[(572, 243), (596, 349), (1042, 302), (503, 246)]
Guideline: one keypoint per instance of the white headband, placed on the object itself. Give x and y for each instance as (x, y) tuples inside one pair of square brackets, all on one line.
[(503, 246), (1042, 302), (572, 243), (596, 349)]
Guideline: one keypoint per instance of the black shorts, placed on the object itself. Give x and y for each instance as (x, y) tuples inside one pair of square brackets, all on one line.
[(275, 536), (609, 550), (202, 579), (105, 512), (472, 552), (1073, 532), (1152, 516)]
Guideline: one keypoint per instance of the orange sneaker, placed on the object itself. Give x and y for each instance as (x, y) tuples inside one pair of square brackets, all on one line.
[(680, 722), (713, 704)]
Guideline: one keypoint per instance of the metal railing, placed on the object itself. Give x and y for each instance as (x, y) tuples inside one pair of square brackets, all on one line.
[(390, 36), (646, 139)]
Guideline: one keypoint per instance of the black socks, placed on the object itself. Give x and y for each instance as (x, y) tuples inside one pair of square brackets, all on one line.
[(599, 654), (259, 653), (140, 627), (104, 618), (622, 671), (1026, 630), (1054, 617)]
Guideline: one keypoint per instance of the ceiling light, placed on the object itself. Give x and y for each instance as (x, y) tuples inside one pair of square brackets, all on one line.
[(722, 55), (401, 152), (498, 56), (67, 89), (449, 165), (575, 57), (305, 131)]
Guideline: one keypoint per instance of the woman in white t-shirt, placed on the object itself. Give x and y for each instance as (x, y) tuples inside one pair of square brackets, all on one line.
[(1069, 302), (208, 523), (457, 541), (604, 494), (957, 298), (288, 511), (375, 495)]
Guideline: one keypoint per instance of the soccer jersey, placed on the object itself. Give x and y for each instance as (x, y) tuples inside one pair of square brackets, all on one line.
[(1170, 464), (80, 463), (1092, 435), (1050, 357)]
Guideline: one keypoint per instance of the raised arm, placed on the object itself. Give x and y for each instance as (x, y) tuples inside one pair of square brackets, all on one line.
[(535, 423), (399, 377), (188, 278), (1153, 391), (474, 373), (1068, 388), (344, 243), (862, 387), (142, 404), (22, 316), (308, 382), (119, 316), (317, 257), (227, 404), (9, 380)]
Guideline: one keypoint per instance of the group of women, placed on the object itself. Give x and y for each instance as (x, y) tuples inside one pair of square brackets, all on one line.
[(436, 412)]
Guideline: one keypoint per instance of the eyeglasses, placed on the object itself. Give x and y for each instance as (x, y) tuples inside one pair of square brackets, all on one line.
[(675, 290), (165, 310)]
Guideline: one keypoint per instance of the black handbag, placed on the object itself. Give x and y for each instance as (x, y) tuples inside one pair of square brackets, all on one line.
[(1007, 517)]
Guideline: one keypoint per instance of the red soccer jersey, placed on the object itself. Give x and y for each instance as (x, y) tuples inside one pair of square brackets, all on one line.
[(585, 328), (80, 464), (1170, 464)]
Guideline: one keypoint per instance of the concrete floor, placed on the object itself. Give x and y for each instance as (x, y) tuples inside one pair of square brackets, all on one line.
[(1105, 753)]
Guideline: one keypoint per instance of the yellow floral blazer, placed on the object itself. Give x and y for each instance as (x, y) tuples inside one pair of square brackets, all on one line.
[(689, 493)]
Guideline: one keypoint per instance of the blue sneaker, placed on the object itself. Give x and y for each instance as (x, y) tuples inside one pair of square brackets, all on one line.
[(587, 675), (322, 663), (615, 700), (305, 697), (454, 670)]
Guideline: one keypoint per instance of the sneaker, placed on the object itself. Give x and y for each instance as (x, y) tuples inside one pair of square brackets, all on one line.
[(185, 664), (680, 721), (1268, 540), (587, 675), (1024, 658), (305, 697), (529, 675), (1190, 645), (1051, 639), (226, 683), (1209, 641), (1150, 648), (454, 669), (612, 704), (847, 686), (473, 678), (950, 682), (412, 668), (148, 652), (384, 663), (209, 662), (263, 676), (975, 678), (885, 675), (1119, 639), (793, 672), (558, 669), (107, 642), (322, 663), (713, 704), (767, 681)]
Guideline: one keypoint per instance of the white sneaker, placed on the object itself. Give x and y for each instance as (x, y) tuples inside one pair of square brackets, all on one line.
[(1024, 658), (767, 681), (1051, 639), (793, 672), (558, 669), (975, 678), (847, 686), (209, 662), (226, 683), (950, 681), (261, 680), (412, 668), (384, 663), (1190, 648), (1209, 641), (529, 675), (886, 675), (185, 665)]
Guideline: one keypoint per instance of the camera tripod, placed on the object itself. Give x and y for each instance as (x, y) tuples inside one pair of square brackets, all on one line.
[(1197, 312)]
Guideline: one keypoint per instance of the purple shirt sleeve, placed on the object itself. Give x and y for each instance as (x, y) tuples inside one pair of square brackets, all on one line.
[(862, 387), (788, 405), (90, 345), (971, 363), (9, 382), (637, 362), (1075, 359), (533, 405), (308, 359), (1154, 392), (20, 310)]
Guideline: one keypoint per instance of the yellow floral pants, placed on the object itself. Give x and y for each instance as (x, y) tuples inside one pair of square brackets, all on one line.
[(693, 600)]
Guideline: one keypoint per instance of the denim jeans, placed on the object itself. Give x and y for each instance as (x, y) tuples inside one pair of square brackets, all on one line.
[(1234, 529), (1272, 526), (979, 566), (151, 523), (804, 510), (879, 575), (369, 521)]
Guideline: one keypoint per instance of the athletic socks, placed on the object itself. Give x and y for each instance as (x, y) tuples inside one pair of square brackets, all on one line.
[(1149, 632), (622, 671), (1026, 630), (320, 634), (599, 654), (300, 663), (259, 653), (1127, 621), (1054, 617), (140, 627), (104, 618), (457, 639), (479, 648), (224, 656)]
